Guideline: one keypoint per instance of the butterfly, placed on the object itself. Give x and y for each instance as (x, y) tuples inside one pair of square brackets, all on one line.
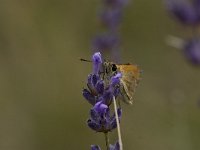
[(129, 81)]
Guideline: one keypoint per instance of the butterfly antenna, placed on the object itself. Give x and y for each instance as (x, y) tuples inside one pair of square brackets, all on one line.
[(81, 59)]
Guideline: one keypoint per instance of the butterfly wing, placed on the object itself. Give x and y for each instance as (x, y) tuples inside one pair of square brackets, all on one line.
[(129, 81)]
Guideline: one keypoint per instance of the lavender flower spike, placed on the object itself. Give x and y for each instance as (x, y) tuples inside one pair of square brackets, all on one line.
[(101, 95), (97, 61)]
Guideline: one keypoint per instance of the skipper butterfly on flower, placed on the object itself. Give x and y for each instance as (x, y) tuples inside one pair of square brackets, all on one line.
[(128, 82)]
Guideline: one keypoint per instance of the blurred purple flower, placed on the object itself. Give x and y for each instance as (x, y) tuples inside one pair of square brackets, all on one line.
[(196, 3), (111, 18), (192, 51), (105, 42), (197, 7), (184, 11)]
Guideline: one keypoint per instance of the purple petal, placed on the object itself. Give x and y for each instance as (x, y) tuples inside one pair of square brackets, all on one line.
[(95, 79), (105, 42), (183, 11), (94, 116), (97, 61), (95, 147), (192, 51), (100, 107), (89, 97), (100, 86), (92, 81), (107, 97), (116, 79), (112, 147), (115, 147), (113, 118), (119, 112), (111, 18), (113, 124), (116, 91), (93, 125)]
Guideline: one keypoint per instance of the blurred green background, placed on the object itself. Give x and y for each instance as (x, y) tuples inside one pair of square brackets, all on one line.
[(41, 77)]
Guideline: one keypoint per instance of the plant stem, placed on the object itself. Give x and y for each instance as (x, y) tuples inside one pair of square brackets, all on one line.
[(107, 140), (118, 126)]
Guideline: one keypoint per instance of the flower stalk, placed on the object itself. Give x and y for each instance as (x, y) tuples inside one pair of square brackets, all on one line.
[(107, 140), (118, 124)]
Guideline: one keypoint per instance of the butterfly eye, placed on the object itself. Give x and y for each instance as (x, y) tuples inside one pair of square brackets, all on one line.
[(114, 67)]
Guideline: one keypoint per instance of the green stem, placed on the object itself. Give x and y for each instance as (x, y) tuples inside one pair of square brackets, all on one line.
[(107, 140)]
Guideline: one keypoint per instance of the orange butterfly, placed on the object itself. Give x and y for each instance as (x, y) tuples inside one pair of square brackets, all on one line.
[(128, 82)]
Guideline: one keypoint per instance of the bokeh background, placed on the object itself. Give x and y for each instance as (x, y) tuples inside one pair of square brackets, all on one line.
[(41, 77)]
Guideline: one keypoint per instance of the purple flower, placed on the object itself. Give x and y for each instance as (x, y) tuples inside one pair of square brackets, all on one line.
[(192, 51), (184, 11), (97, 61), (197, 3), (99, 92), (100, 119), (96, 88), (95, 147), (116, 79), (115, 147), (105, 42), (101, 108), (89, 97), (111, 18), (197, 7)]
